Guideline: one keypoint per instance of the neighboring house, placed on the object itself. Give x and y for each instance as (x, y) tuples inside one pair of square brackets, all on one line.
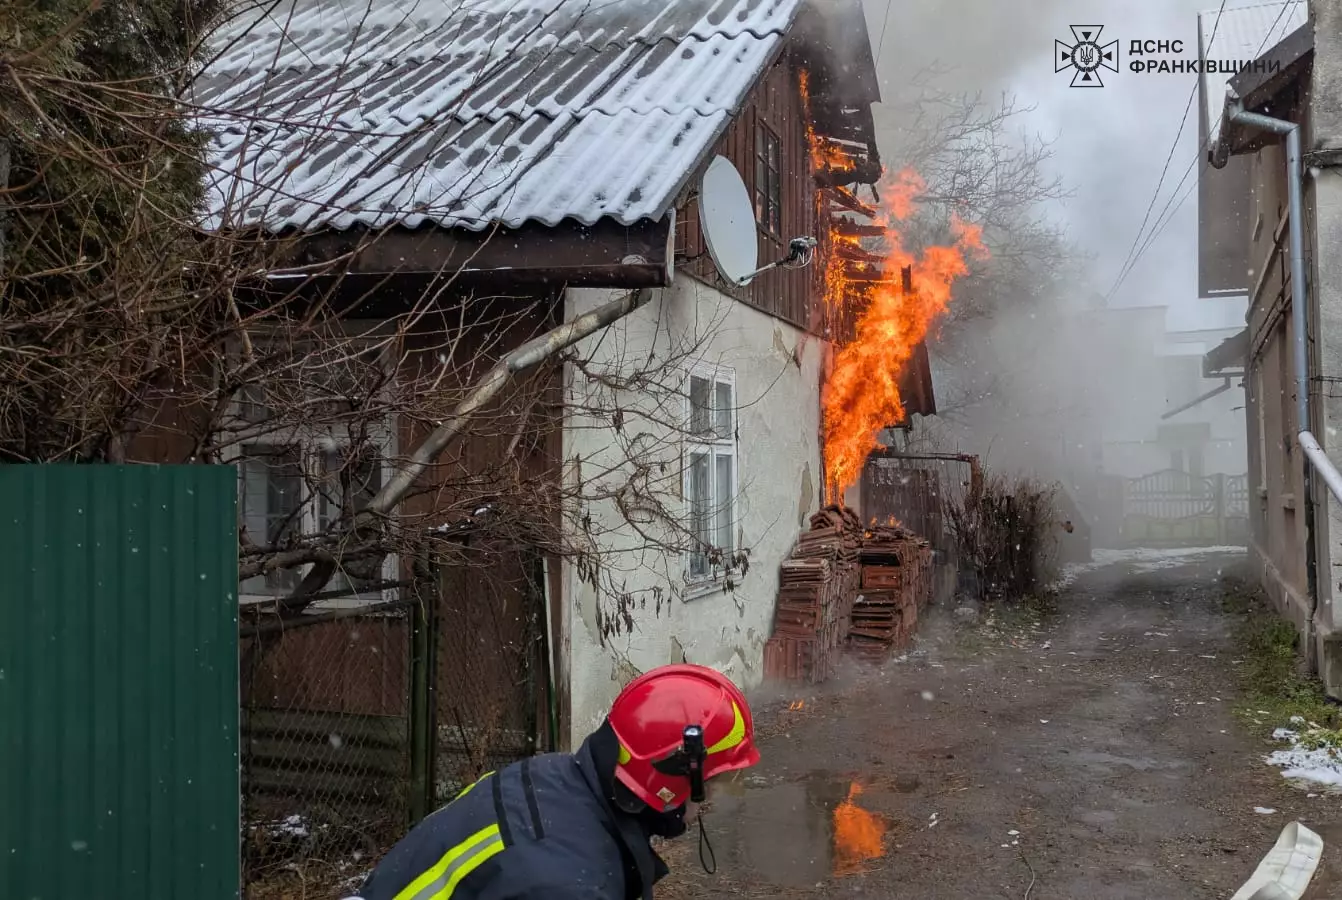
[(1201, 431), (1245, 247), (557, 146)]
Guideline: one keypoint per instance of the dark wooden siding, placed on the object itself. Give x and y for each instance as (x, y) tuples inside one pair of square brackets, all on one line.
[(776, 103)]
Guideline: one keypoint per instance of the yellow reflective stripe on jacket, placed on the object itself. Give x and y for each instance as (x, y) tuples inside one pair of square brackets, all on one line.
[(467, 788), (442, 879)]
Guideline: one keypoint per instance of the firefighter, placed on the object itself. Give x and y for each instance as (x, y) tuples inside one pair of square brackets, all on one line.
[(564, 826)]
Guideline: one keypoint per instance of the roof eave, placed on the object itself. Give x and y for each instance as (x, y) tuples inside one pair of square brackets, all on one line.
[(1257, 90)]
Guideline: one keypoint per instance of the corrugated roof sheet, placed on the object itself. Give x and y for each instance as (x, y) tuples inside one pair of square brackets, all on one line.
[(467, 113), (1241, 33)]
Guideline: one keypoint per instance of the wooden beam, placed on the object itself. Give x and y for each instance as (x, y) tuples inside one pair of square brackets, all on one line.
[(606, 254), (848, 200), (849, 228)]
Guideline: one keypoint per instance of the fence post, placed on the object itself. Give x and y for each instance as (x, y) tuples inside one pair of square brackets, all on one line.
[(423, 725), (1219, 506)]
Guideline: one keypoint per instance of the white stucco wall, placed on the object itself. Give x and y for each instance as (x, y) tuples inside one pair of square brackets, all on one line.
[(778, 486)]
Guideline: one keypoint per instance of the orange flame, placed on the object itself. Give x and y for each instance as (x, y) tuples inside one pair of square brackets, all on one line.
[(825, 154), (862, 394), (859, 835)]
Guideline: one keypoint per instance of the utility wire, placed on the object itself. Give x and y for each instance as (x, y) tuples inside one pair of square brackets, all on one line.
[(885, 23), (1275, 22), (1131, 258), (1163, 220), (1134, 252)]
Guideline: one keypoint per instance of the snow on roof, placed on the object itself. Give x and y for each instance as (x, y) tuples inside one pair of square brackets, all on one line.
[(467, 113), (1240, 34)]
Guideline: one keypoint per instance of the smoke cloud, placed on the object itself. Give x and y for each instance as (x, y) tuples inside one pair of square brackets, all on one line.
[(1033, 380)]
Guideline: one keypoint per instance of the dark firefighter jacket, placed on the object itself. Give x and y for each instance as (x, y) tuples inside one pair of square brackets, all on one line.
[(540, 829)]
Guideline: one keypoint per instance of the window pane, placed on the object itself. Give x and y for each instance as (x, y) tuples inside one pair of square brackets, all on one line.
[(722, 411), (701, 510), (700, 405), (357, 480), (725, 497), (252, 404), (347, 480), (271, 489), (773, 152)]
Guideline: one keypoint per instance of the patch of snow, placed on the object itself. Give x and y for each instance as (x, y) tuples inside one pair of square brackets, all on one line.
[(1264, 810), (1306, 760), (1142, 559)]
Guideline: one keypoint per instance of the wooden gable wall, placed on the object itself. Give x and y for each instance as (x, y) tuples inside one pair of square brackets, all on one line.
[(776, 104)]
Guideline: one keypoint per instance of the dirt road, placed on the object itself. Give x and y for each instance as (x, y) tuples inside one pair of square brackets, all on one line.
[(1091, 756)]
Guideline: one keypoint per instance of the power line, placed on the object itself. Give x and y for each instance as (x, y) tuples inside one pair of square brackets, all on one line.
[(1163, 220), (1137, 239), (885, 23), (1134, 252), (1275, 22)]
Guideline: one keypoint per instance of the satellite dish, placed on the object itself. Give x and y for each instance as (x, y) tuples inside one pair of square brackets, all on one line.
[(728, 222)]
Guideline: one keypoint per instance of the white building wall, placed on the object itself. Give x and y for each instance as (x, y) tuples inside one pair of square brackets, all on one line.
[(777, 372)]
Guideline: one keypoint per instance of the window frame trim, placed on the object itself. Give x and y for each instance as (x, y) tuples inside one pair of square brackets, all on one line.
[(697, 585), (762, 159)]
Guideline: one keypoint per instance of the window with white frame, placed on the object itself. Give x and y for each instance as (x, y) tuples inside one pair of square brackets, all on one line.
[(312, 444), (710, 471)]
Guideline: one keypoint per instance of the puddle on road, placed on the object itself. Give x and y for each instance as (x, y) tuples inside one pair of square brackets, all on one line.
[(801, 833)]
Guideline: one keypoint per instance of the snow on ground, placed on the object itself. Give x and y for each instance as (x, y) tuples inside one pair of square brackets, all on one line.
[(1142, 559), (1313, 755)]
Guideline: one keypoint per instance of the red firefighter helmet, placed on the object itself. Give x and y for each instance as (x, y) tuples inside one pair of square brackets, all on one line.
[(650, 718)]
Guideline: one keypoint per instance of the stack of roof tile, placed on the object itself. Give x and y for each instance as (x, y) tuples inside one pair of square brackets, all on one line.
[(816, 588), (896, 582)]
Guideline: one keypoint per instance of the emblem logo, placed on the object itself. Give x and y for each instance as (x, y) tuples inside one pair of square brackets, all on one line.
[(1086, 56)]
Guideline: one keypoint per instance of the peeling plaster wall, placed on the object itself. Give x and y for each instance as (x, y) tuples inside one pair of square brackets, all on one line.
[(777, 370)]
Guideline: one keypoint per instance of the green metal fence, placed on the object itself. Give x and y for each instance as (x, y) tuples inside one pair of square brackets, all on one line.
[(118, 682)]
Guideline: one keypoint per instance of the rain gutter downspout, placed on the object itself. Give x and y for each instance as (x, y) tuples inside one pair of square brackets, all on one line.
[(1295, 204)]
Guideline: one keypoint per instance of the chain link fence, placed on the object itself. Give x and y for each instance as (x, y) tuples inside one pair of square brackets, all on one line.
[(359, 722), (492, 699), (325, 768)]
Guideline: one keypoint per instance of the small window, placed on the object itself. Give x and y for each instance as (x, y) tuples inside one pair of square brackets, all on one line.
[(320, 462), (710, 473), (768, 180)]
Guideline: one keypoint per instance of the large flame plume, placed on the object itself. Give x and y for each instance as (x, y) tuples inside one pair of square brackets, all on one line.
[(876, 323), (862, 394)]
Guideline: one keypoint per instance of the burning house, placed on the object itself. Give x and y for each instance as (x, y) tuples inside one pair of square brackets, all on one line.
[(550, 154)]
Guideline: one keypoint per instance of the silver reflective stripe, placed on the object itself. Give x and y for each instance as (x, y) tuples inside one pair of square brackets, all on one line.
[(471, 856)]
